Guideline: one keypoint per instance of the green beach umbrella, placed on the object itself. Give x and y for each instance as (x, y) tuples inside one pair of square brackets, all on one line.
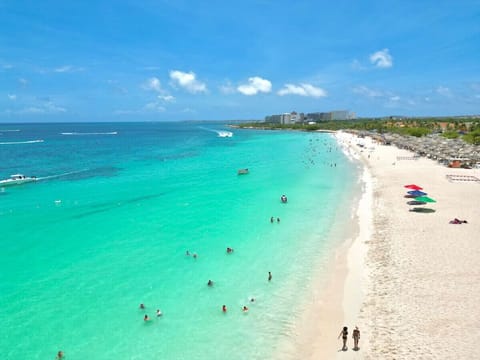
[(425, 199)]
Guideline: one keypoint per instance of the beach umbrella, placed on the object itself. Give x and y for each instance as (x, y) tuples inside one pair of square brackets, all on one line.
[(413, 187), (425, 199), (416, 193)]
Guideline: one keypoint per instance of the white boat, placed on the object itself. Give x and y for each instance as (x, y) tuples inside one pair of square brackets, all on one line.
[(17, 179)]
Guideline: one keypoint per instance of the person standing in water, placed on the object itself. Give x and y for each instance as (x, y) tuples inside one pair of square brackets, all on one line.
[(344, 335), (269, 276), (356, 338)]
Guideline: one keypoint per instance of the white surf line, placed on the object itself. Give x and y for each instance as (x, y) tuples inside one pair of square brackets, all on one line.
[(89, 133), (21, 142)]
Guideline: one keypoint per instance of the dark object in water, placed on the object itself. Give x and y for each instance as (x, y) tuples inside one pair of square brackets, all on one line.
[(242, 172)]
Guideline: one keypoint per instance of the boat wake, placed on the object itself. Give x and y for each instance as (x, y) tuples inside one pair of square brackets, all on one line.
[(89, 133), (60, 175), (9, 130), (21, 142), (220, 133)]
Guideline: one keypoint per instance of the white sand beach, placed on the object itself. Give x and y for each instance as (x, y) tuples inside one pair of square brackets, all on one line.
[(410, 280)]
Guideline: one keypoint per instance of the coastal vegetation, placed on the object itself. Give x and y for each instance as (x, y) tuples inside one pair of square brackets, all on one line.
[(451, 128)]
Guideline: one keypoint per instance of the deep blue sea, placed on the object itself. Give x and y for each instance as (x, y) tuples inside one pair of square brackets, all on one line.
[(117, 206)]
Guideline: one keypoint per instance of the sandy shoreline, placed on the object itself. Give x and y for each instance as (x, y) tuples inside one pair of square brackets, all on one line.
[(409, 280)]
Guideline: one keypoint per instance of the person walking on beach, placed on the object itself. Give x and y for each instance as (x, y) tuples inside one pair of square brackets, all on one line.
[(344, 335), (269, 276), (356, 337)]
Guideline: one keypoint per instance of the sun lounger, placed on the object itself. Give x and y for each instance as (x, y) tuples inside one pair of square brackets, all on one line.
[(453, 177)]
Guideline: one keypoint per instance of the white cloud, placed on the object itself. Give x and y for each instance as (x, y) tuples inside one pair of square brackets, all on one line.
[(23, 82), (365, 91), (302, 90), (356, 65), (444, 91), (46, 108), (188, 81), (395, 98), (255, 85), (382, 59), (12, 96), (227, 88), (166, 98), (154, 107), (67, 68), (153, 84)]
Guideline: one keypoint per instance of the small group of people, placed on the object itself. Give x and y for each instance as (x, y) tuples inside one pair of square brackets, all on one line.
[(355, 337), (244, 308), (146, 317), (272, 219), (194, 255)]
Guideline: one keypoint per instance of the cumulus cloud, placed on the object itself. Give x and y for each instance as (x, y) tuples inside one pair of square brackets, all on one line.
[(153, 84), (302, 90), (187, 81), (12, 96), (382, 59), (255, 85)]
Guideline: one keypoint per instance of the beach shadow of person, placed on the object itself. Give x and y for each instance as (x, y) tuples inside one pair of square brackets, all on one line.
[(356, 349), (343, 349)]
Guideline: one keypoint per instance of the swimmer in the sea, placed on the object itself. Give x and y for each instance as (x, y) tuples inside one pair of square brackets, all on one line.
[(159, 313), (146, 318), (224, 308)]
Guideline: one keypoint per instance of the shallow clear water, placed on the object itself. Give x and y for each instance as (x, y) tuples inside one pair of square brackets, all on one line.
[(117, 205)]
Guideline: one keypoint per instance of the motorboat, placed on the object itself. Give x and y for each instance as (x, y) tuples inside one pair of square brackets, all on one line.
[(242, 171), (17, 179)]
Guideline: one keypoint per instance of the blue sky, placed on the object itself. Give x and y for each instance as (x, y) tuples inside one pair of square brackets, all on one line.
[(221, 60)]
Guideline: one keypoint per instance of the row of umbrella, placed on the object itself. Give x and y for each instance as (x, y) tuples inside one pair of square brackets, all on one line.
[(418, 198)]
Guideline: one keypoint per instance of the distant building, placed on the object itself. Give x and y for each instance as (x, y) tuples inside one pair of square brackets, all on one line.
[(273, 119), (300, 118)]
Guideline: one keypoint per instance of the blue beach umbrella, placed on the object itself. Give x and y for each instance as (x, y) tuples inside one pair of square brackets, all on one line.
[(417, 193)]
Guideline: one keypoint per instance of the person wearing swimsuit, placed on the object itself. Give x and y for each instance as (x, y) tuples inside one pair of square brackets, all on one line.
[(344, 335), (356, 337)]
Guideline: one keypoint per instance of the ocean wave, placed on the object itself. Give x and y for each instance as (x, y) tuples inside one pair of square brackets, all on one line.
[(21, 142), (9, 130), (89, 133)]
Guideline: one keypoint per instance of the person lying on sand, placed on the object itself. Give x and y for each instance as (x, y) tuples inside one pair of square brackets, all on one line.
[(457, 221)]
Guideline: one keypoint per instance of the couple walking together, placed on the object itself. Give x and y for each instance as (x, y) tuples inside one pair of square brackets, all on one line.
[(355, 336)]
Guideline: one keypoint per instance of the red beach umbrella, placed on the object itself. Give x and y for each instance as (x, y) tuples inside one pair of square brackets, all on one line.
[(413, 187)]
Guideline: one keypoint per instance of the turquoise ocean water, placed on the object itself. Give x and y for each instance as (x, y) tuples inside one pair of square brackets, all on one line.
[(117, 206)]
